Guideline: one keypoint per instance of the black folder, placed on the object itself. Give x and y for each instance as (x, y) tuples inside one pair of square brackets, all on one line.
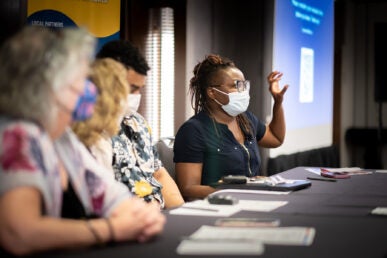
[(285, 187)]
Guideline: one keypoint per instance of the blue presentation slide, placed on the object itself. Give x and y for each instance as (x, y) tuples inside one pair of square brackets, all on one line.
[(303, 50)]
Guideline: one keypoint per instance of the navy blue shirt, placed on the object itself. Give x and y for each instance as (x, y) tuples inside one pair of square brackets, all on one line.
[(202, 140)]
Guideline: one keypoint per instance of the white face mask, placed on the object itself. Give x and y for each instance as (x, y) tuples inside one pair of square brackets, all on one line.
[(238, 102), (133, 102)]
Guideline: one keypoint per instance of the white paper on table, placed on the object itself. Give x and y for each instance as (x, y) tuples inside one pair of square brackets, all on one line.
[(195, 247), (316, 171), (379, 211), (344, 170), (265, 206), (348, 170), (381, 171), (302, 236), (204, 208)]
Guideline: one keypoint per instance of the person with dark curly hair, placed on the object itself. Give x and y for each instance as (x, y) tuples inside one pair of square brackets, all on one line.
[(136, 161), (222, 138)]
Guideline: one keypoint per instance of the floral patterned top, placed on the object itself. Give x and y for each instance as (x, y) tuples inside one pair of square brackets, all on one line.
[(135, 158), (28, 157)]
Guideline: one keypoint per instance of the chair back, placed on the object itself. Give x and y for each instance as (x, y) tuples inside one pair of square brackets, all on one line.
[(165, 149)]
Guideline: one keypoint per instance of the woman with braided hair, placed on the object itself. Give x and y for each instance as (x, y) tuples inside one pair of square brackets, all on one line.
[(222, 138)]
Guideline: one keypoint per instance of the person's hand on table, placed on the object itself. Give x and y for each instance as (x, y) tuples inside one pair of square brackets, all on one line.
[(135, 219)]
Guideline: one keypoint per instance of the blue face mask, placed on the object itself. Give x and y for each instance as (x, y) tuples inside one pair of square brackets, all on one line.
[(85, 105)]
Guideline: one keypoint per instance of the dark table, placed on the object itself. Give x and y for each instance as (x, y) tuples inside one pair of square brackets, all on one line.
[(339, 211)]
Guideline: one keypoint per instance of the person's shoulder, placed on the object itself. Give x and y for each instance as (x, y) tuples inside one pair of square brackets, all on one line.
[(137, 116), (194, 127), (253, 118), (198, 120), (118, 141), (250, 115), (21, 133), (68, 139), (134, 117), (258, 125), (21, 127), (135, 122)]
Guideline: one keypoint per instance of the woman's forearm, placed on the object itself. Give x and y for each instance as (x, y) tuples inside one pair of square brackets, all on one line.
[(277, 124)]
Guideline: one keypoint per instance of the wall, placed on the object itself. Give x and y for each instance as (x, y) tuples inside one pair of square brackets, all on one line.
[(199, 42), (231, 29), (239, 29), (12, 17), (358, 106)]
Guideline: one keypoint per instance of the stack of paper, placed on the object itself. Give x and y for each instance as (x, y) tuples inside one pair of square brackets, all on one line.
[(221, 247), (347, 171), (243, 241), (267, 235), (380, 211), (203, 208)]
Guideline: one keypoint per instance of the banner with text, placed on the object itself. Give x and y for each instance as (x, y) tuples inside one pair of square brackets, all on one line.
[(100, 17)]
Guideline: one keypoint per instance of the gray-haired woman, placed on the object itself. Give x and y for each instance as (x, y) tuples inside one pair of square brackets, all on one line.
[(50, 186)]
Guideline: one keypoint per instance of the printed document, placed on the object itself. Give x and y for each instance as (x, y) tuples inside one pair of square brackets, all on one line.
[(204, 208), (298, 236)]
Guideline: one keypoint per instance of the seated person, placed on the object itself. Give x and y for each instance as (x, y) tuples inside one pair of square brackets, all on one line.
[(109, 76), (222, 138), (136, 161), (53, 194)]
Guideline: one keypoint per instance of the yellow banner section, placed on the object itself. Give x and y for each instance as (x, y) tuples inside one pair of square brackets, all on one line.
[(100, 17)]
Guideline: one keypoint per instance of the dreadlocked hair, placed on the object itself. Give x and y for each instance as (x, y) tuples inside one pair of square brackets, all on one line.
[(204, 72)]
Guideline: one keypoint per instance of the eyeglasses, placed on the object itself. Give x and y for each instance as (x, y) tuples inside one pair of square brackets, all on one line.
[(239, 85)]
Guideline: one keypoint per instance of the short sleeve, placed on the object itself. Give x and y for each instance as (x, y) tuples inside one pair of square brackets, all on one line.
[(156, 157), (189, 143), (28, 159)]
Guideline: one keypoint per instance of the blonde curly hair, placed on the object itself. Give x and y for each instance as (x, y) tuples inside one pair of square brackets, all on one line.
[(110, 78)]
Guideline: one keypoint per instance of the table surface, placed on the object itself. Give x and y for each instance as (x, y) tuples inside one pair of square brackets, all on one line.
[(339, 211)]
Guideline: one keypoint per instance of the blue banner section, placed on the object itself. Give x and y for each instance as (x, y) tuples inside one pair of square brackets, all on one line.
[(102, 41), (56, 20), (51, 19)]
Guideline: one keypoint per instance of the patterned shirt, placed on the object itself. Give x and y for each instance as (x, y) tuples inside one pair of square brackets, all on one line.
[(28, 157), (135, 158)]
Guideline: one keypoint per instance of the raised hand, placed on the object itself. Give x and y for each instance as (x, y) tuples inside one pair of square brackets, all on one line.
[(273, 79)]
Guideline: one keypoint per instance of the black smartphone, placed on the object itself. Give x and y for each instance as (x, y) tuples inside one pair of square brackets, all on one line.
[(234, 179), (222, 199)]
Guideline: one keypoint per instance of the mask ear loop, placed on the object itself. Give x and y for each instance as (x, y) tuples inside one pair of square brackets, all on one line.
[(222, 93), (213, 118)]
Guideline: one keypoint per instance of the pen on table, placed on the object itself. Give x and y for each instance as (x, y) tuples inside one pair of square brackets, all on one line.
[(199, 208), (322, 179)]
